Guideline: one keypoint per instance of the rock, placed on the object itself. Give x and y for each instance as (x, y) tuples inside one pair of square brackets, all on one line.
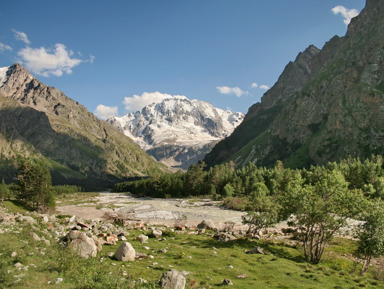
[(225, 237), (13, 254), (156, 233), (27, 219), (173, 279), (142, 238), (82, 244), (34, 236), (207, 225), (256, 250), (125, 252), (227, 282), (111, 240)]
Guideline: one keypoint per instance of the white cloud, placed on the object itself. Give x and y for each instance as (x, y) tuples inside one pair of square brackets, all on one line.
[(231, 90), (137, 102), (47, 62), (265, 87), (346, 13), (254, 85), (21, 36), (104, 112), (4, 47)]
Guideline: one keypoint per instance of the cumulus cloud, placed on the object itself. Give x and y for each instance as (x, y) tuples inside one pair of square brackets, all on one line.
[(346, 13), (137, 102), (21, 36), (231, 90), (48, 62), (104, 112), (264, 87), (4, 47), (261, 86)]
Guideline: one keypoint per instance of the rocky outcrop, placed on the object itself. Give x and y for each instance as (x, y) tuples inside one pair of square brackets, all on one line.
[(40, 120), (326, 106)]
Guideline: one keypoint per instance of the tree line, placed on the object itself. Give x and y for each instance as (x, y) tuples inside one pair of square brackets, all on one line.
[(318, 200)]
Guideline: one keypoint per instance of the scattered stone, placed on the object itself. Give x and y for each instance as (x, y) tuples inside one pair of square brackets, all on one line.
[(207, 225), (225, 237), (227, 282), (242, 276), (256, 250), (156, 233), (142, 238), (125, 252), (173, 279), (34, 236), (59, 280), (13, 254), (27, 219), (18, 265)]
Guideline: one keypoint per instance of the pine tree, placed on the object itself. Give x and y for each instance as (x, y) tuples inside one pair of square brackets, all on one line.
[(34, 184)]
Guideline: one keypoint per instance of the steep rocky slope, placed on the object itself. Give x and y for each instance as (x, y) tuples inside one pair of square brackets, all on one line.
[(326, 105), (178, 131), (40, 120)]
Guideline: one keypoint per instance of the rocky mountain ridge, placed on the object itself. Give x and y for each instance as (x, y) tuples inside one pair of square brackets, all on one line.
[(325, 106), (42, 121), (178, 131)]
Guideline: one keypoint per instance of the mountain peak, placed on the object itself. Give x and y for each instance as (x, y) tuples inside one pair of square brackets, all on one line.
[(177, 122)]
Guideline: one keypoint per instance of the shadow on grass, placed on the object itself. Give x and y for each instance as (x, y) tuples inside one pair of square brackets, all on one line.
[(278, 250)]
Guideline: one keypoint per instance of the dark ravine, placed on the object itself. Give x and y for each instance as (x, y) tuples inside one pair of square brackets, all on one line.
[(41, 121), (327, 105)]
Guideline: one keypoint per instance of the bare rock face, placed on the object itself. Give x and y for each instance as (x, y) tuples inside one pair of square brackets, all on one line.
[(325, 106), (82, 244), (125, 252), (173, 279), (45, 122)]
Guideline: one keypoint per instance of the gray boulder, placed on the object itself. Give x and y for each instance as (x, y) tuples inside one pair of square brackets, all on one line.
[(207, 225), (83, 245), (125, 252), (173, 279)]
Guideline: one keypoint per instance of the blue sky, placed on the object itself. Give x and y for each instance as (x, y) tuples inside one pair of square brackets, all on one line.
[(115, 56)]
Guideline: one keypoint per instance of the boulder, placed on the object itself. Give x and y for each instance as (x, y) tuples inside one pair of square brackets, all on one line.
[(156, 233), (125, 252), (256, 250), (225, 237), (207, 225), (83, 245), (173, 279), (227, 282), (142, 238)]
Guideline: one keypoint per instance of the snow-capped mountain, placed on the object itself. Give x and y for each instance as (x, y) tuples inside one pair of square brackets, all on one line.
[(178, 124)]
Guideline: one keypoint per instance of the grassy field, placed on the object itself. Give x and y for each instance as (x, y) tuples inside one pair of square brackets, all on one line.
[(207, 261)]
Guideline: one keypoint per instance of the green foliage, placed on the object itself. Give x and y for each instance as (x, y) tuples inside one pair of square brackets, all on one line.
[(5, 192), (66, 189), (321, 198), (322, 208), (371, 234), (264, 211), (34, 185)]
